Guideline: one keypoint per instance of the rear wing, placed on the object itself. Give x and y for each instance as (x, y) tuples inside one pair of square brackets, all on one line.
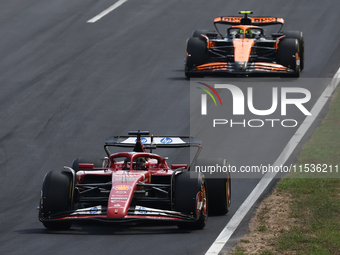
[(148, 141), (246, 20), (255, 21), (141, 140), (158, 141)]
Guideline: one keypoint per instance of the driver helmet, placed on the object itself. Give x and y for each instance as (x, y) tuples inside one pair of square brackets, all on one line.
[(248, 33), (141, 163)]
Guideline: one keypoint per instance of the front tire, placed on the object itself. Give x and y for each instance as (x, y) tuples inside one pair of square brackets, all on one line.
[(56, 197), (195, 55), (190, 197)]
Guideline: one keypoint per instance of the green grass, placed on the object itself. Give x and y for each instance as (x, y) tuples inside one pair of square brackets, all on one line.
[(316, 196)]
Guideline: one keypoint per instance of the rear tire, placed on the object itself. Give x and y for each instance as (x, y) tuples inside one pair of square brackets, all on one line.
[(195, 55), (288, 55), (188, 193), (219, 186), (301, 39), (56, 195)]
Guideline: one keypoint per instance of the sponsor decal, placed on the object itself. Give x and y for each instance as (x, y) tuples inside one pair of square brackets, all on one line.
[(142, 139), (166, 140), (124, 179), (120, 192), (121, 198), (122, 187), (94, 210), (89, 210), (142, 210)]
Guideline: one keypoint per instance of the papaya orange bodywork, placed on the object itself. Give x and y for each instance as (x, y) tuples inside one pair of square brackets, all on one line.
[(242, 49)]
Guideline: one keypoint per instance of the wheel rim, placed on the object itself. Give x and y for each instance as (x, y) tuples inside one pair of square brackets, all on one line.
[(201, 205), (228, 195)]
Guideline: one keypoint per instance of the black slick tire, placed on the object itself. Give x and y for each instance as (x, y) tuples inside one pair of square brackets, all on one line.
[(301, 39), (219, 185), (288, 53), (56, 196), (189, 191), (195, 55)]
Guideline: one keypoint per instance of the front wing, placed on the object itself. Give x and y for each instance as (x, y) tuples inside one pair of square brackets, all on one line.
[(253, 68), (138, 213)]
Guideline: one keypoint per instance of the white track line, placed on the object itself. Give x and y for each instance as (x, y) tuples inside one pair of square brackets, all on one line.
[(229, 229), (107, 11)]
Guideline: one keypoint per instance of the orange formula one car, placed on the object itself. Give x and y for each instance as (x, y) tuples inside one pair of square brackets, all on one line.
[(245, 49)]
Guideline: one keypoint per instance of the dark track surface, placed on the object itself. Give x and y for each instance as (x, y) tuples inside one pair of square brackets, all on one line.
[(66, 85)]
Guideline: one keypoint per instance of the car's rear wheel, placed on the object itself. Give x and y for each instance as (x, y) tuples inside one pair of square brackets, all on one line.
[(288, 55), (299, 36), (219, 185), (56, 196), (190, 198), (195, 55)]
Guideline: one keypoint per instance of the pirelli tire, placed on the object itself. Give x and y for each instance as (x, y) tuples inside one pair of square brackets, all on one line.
[(190, 198), (288, 55), (218, 183), (196, 51), (97, 162), (301, 39), (56, 198)]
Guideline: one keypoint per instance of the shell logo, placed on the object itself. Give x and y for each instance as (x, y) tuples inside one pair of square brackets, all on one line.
[(122, 187)]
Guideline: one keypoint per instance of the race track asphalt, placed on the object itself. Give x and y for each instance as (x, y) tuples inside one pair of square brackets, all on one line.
[(67, 85)]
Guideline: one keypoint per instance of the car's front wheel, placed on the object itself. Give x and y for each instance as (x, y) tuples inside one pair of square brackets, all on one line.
[(195, 55), (190, 198), (56, 197)]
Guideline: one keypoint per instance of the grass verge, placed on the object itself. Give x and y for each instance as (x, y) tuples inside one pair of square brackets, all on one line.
[(316, 199), (310, 224)]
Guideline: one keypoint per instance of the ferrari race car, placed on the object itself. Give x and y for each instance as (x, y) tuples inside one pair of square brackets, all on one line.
[(135, 186), (245, 49)]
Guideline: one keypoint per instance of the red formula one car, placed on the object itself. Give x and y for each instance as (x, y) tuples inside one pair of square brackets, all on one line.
[(134, 185), (245, 49)]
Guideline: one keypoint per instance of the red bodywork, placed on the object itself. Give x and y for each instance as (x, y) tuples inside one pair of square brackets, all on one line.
[(136, 185), (124, 183)]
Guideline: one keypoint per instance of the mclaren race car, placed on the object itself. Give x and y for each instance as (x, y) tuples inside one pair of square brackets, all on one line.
[(245, 49), (135, 185)]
